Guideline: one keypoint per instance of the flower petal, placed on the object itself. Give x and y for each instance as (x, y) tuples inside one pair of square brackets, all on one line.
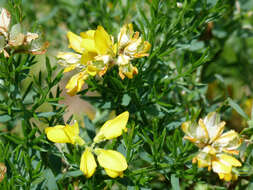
[(219, 167), (103, 41), (195, 133), (229, 160), (89, 34), (229, 141), (88, 164), (113, 174), (113, 128), (16, 37), (75, 83), (111, 160), (73, 133), (76, 42), (213, 126), (69, 60), (57, 134), (204, 160), (5, 19), (125, 35)]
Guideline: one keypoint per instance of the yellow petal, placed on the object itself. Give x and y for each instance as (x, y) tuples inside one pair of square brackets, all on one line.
[(57, 134), (69, 68), (125, 35), (89, 34), (195, 133), (76, 42), (69, 57), (228, 177), (88, 57), (204, 159), (113, 128), (113, 174), (123, 59), (229, 140), (88, 164), (142, 51), (219, 167), (69, 60), (229, 160), (133, 46), (203, 126), (127, 70), (103, 58), (92, 70), (213, 126), (103, 41), (89, 45), (75, 83), (111, 160), (73, 133)]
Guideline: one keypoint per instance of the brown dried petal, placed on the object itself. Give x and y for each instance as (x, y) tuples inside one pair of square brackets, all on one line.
[(30, 36), (3, 170), (5, 19)]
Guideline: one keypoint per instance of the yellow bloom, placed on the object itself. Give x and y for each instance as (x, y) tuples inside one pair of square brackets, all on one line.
[(127, 70), (207, 135), (69, 60), (88, 164), (130, 46), (64, 134), (113, 128), (76, 82), (94, 53), (112, 161)]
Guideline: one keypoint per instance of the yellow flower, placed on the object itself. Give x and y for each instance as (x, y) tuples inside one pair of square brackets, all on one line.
[(207, 135), (75, 83), (88, 164), (130, 46), (112, 161), (14, 39), (64, 134), (95, 51), (113, 128)]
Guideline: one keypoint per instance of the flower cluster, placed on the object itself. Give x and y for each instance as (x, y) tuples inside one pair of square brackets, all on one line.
[(215, 146), (12, 38), (96, 52), (112, 161)]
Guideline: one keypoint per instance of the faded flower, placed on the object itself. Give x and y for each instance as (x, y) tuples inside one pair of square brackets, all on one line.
[(215, 147)]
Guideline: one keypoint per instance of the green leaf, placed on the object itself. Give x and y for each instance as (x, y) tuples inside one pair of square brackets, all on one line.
[(46, 114), (237, 108), (4, 118), (50, 180), (175, 182), (125, 100)]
